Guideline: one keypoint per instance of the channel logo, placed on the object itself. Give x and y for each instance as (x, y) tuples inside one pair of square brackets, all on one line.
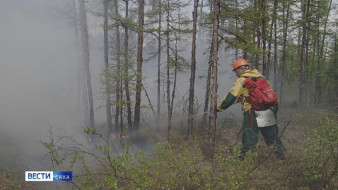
[(48, 176)]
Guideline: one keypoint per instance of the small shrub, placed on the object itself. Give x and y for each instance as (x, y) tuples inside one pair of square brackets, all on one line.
[(320, 161)]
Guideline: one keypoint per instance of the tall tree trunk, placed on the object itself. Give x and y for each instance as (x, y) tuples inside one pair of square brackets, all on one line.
[(318, 88), (207, 89), (81, 93), (126, 67), (236, 27), (106, 64), (139, 65), (174, 87), (275, 48), (159, 64), (262, 8), (257, 33), (272, 31), (118, 70), (303, 48), (200, 28), (306, 64), (168, 59), (318, 67), (78, 63), (193, 70), (207, 92), (285, 34), (214, 86), (335, 61), (85, 51)]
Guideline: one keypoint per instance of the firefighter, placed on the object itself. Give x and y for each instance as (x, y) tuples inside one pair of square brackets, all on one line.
[(264, 121)]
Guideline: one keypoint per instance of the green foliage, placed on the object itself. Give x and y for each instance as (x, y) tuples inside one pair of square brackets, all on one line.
[(232, 172), (8, 181), (184, 164), (91, 131), (320, 161), (54, 151), (175, 165)]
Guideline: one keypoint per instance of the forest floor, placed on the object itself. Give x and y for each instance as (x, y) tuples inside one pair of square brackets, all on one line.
[(294, 125)]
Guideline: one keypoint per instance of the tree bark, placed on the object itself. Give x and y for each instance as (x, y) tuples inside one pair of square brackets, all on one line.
[(273, 31), (168, 61), (118, 71), (85, 51), (303, 48), (78, 63), (257, 34), (139, 65), (174, 88), (126, 68), (214, 86), (318, 88), (106, 64), (207, 92), (159, 64), (193, 71), (335, 61), (262, 8), (285, 34), (275, 56)]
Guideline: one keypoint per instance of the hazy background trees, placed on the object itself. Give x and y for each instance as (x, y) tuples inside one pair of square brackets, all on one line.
[(246, 29)]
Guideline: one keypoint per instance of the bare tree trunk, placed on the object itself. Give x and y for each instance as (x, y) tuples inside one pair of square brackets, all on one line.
[(193, 70), (207, 92), (118, 70), (82, 88), (106, 64), (258, 34), (285, 34), (245, 32), (78, 63), (236, 26), (336, 65), (262, 8), (306, 66), (318, 88), (318, 71), (275, 48), (214, 86), (85, 50), (207, 89), (81, 93), (272, 30), (126, 67), (139, 65), (168, 59), (174, 88), (159, 64), (303, 47)]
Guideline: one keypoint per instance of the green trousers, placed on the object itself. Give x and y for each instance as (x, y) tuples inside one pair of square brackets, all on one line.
[(250, 134)]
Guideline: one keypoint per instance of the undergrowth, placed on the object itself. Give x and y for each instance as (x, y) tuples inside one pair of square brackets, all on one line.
[(183, 164)]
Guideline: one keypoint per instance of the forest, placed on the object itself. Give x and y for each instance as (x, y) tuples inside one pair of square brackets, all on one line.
[(165, 66)]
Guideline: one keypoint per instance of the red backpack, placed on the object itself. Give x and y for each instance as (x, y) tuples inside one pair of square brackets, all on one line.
[(261, 95)]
